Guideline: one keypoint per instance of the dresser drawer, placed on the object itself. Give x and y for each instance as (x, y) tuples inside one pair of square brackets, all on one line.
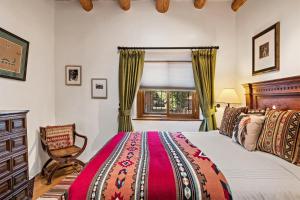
[(19, 160), (5, 187), (21, 194), (19, 178), (18, 142), (5, 167), (5, 147), (18, 124), (4, 126)]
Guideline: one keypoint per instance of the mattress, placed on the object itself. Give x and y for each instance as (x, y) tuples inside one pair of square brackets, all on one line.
[(251, 175)]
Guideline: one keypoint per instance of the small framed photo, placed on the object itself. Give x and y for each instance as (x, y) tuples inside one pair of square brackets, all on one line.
[(73, 75), (266, 50), (99, 88)]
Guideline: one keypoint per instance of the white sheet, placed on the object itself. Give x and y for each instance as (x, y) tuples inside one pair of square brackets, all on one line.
[(251, 175)]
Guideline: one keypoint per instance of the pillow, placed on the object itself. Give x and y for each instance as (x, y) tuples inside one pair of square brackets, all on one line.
[(280, 135), (247, 130), (229, 119), (59, 137)]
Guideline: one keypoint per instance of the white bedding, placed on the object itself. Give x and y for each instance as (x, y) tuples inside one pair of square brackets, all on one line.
[(251, 175)]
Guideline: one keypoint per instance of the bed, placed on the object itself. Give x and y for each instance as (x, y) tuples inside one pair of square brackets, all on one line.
[(202, 165)]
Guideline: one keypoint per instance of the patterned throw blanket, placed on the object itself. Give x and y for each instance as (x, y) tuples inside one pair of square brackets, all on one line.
[(150, 165)]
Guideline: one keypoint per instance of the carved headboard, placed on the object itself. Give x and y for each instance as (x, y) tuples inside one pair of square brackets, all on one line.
[(283, 93)]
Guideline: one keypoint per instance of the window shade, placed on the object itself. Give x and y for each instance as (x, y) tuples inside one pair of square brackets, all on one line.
[(168, 75)]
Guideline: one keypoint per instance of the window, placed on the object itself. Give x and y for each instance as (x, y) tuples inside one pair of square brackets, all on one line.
[(167, 91), (167, 104)]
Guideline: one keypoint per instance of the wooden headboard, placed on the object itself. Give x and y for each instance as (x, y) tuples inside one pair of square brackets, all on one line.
[(283, 93)]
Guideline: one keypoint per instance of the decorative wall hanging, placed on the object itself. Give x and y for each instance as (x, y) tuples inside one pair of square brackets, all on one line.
[(13, 56), (73, 75), (99, 88), (266, 50)]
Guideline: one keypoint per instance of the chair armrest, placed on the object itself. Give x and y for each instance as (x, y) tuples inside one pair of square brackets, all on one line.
[(79, 135), (84, 144), (44, 142), (82, 136)]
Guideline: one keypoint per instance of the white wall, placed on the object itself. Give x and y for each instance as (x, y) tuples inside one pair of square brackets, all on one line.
[(33, 21), (254, 17), (91, 40)]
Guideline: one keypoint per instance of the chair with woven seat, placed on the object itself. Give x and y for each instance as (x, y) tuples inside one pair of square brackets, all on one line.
[(59, 143)]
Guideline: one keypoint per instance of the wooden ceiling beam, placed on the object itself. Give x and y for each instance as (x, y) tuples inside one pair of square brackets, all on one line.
[(125, 4), (162, 6), (236, 4), (87, 5), (199, 3)]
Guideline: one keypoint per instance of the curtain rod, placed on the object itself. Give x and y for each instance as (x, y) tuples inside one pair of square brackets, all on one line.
[(157, 48)]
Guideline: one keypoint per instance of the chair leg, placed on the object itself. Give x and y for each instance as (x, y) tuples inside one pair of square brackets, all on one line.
[(49, 179), (45, 166)]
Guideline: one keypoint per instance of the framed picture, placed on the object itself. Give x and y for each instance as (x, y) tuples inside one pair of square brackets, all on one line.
[(266, 50), (73, 75), (99, 88), (13, 56)]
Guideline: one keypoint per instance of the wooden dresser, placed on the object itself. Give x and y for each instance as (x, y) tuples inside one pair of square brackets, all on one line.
[(13, 155)]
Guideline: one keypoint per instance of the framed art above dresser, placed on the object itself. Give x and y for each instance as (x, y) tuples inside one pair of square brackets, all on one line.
[(13, 56), (13, 155)]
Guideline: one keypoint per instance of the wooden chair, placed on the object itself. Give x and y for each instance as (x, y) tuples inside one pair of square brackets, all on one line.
[(59, 143)]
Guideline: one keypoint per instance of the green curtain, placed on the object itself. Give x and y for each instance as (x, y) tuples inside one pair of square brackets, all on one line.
[(204, 66), (131, 66)]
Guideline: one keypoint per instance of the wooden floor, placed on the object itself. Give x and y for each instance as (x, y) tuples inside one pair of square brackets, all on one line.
[(40, 186)]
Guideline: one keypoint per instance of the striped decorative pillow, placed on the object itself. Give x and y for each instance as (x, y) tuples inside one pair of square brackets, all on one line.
[(281, 135), (229, 119), (59, 137)]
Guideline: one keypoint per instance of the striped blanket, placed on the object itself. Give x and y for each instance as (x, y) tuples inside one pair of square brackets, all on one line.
[(150, 165)]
